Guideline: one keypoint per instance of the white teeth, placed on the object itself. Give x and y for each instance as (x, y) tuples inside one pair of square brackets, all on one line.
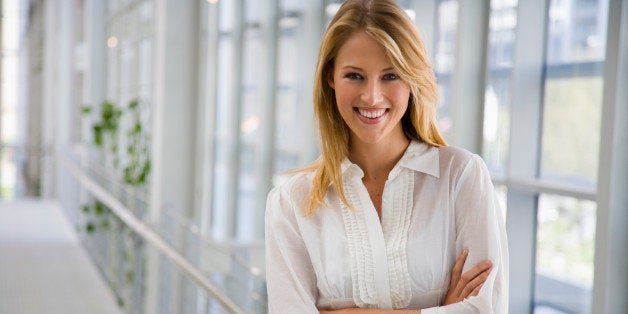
[(372, 114)]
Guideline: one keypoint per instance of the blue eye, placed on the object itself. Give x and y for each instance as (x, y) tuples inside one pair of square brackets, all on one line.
[(391, 77), (353, 76)]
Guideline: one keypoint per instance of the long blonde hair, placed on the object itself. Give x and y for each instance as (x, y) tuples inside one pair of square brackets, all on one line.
[(389, 25)]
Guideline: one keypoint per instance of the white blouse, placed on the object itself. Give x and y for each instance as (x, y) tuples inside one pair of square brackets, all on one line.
[(436, 203)]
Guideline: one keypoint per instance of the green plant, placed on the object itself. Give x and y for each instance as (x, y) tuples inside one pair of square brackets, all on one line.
[(135, 173), (86, 109), (105, 129), (105, 133), (138, 166), (97, 217)]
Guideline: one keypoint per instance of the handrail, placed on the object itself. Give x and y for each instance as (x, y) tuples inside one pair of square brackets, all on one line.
[(27, 149), (99, 170), (544, 186), (149, 235), (193, 229)]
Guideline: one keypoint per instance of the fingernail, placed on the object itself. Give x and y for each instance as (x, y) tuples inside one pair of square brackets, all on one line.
[(466, 251)]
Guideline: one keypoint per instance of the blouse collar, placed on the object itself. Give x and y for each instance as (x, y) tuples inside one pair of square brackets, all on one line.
[(418, 156)]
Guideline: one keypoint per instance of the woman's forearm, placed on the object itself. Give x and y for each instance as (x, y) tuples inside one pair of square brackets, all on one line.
[(371, 311)]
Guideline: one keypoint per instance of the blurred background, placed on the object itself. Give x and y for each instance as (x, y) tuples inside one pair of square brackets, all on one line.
[(150, 132)]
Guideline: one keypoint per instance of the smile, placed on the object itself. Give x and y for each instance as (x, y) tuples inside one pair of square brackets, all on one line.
[(371, 113)]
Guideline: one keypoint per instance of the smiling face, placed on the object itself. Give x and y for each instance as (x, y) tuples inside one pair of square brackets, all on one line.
[(370, 95)]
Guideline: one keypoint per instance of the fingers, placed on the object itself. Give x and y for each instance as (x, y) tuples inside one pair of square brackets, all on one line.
[(475, 284), (456, 272), (470, 275), (476, 291)]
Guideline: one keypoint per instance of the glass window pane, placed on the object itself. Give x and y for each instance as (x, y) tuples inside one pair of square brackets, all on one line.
[(576, 31), (289, 130), (9, 103), (223, 162), (129, 62), (497, 101), (571, 129), (445, 60), (565, 252), (573, 91), (331, 8), (254, 76)]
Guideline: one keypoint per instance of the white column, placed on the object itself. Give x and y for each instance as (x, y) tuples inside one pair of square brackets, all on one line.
[(426, 21), (94, 78), (205, 141), (48, 100), (24, 151), (525, 137), (174, 110), (207, 120), (65, 187), (314, 22), (57, 95), (233, 138), (1, 74), (173, 130), (95, 41), (267, 147), (610, 285), (467, 107)]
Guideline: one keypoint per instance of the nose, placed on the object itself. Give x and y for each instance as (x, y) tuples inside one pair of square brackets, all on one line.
[(372, 93)]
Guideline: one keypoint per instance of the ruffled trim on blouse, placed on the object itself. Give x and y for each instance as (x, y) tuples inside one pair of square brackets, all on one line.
[(396, 224), (396, 212), (362, 268)]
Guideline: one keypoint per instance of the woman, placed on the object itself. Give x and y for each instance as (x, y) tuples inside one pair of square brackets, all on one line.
[(375, 225)]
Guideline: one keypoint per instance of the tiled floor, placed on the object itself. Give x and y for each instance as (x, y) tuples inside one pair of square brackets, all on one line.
[(43, 268)]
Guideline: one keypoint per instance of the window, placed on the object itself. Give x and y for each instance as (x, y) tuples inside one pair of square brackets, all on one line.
[(564, 259), (226, 107), (294, 143), (555, 184), (496, 133), (569, 154), (9, 88), (573, 93), (445, 60)]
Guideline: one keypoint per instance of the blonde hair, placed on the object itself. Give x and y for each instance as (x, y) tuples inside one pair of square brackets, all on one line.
[(389, 25)]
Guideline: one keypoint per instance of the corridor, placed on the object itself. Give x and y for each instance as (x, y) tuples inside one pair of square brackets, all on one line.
[(43, 267)]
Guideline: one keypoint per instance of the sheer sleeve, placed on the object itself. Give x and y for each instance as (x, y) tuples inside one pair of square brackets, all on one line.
[(480, 228), (291, 281)]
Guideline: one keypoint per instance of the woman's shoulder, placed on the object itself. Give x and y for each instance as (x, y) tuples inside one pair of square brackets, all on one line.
[(457, 159), (293, 178), (454, 156), (293, 184), (454, 152)]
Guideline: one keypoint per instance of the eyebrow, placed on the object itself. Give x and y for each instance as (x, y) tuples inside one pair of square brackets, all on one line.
[(360, 69)]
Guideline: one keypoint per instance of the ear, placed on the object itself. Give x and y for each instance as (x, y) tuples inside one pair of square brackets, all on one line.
[(330, 78)]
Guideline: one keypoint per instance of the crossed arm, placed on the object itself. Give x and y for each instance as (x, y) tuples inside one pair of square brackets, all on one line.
[(461, 286), (292, 279)]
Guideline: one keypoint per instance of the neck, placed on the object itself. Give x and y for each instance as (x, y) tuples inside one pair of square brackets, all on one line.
[(377, 159)]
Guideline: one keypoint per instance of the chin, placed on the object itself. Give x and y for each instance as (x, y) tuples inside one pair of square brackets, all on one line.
[(370, 139), (381, 137)]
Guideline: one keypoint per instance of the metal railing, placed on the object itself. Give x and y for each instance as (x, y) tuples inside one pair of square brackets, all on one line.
[(546, 186), (143, 230)]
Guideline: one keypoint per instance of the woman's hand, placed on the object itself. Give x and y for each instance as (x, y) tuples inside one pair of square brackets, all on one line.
[(370, 311), (460, 287), (469, 283)]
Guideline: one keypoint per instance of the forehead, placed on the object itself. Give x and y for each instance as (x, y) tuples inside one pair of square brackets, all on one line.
[(360, 50)]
